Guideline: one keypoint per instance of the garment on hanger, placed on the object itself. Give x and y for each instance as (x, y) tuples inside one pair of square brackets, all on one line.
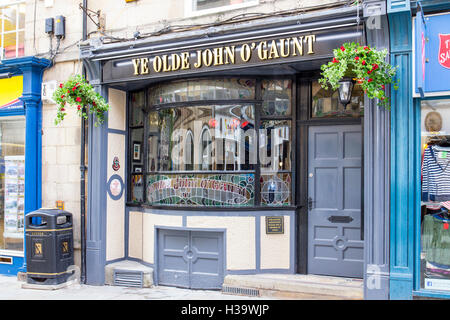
[(436, 174), (436, 238)]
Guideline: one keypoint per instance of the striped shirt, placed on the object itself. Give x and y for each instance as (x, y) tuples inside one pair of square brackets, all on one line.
[(436, 174)]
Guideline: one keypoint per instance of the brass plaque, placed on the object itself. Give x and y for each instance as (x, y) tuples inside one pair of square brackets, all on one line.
[(274, 225)]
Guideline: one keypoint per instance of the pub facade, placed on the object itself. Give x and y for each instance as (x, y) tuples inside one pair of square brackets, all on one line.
[(221, 154)]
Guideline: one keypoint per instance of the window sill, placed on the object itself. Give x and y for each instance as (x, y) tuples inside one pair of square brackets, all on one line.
[(432, 294), (179, 208), (193, 14)]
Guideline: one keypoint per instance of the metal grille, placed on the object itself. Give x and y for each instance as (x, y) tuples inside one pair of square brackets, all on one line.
[(241, 291), (126, 278)]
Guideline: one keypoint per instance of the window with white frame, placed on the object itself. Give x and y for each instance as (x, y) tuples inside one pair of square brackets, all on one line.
[(12, 29), (197, 7)]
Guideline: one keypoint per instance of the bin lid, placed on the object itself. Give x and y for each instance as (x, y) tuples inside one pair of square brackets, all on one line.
[(48, 212)]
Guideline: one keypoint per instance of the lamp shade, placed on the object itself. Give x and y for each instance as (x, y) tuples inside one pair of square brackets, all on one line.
[(345, 91)]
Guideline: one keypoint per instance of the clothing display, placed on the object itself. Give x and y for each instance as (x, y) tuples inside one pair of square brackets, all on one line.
[(436, 238), (436, 174)]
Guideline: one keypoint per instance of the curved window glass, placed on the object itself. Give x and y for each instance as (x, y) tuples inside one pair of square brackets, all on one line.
[(202, 142)]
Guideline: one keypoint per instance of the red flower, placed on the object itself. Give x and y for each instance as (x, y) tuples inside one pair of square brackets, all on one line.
[(78, 107), (342, 48), (369, 72), (78, 99), (382, 86), (356, 58), (374, 66), (62, 97), (335, 60), (93, 103), (363, 62), (62, 109), (369, 80), (74, 88), (366, 48), (360, 80), (61, 85)]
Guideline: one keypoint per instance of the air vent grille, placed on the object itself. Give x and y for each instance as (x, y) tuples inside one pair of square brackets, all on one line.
[(241, 291), (126, 278)]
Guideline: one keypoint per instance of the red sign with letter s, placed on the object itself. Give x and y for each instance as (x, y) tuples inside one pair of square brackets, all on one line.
[(444, 50)]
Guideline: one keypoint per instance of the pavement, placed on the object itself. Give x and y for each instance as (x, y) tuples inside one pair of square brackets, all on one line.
[(12, 289)]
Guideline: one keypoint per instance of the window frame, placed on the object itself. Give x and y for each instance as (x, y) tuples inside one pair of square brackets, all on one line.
[(17, 30), (258, 117), (189, 10)]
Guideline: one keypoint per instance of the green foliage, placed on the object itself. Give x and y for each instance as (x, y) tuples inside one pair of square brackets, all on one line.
[(77, 92), (366, 65)]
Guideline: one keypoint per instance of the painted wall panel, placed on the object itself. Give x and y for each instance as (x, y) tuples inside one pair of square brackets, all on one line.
[(115, 211), (135, 234), (275, 248), (240, 238), (148, 237), (117, 111)]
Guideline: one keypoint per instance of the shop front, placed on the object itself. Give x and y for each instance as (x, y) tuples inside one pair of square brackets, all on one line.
[(20, 87), (426, 271), (225, 156)]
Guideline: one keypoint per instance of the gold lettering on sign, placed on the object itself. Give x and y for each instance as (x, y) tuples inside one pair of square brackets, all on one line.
[(273, 52), (185, 61), (198, 64), (157, 64), (176, 62), (283, 52), (298, 46), (230, 55), (166, 66), (136, 66), (310, 39), (218, 56), (246, 52), (262, 50), (144, 66)]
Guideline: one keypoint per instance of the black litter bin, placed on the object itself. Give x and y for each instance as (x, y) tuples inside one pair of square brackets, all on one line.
[(49, 246)]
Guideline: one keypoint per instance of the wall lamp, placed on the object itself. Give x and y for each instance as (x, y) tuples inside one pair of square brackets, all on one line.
[(345, 91)]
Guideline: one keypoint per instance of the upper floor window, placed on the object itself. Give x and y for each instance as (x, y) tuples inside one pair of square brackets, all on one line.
[(199, 7), (12, 29)]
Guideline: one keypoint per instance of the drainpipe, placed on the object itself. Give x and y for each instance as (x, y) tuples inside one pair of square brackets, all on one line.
[(83, 169)]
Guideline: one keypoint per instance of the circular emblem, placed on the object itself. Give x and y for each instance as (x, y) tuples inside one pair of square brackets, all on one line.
[(116, 164), (115, 187), (433, 121)]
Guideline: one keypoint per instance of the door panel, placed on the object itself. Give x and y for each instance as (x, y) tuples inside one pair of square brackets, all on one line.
[(190, 259), (173, 266), (334, 191)]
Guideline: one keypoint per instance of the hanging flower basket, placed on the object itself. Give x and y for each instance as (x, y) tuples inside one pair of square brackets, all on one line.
[(367, 66), (77, 92)]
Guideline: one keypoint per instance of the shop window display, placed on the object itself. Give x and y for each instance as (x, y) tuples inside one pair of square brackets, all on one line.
[(435, 197), (201, 145), (12, 182)]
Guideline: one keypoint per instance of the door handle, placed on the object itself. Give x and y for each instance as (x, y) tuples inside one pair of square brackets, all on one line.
[(310, 203)]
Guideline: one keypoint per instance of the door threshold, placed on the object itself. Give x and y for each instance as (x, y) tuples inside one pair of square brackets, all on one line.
[(297, 286)]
